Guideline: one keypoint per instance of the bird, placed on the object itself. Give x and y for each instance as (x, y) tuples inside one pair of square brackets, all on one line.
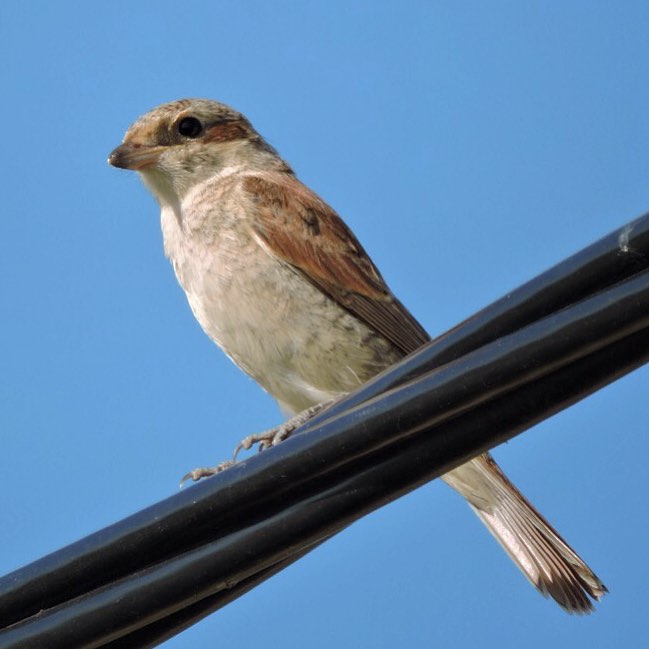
[(277, 279)]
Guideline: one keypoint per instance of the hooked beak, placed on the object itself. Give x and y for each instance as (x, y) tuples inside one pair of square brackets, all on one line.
[(135, 156)]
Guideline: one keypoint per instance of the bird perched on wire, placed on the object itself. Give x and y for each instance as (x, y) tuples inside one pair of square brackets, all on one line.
[(281, 284)]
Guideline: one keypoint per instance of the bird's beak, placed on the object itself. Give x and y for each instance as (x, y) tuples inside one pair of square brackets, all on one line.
[(135, 156)]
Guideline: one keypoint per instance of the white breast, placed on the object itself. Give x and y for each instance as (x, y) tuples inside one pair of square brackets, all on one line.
[(291, 338)]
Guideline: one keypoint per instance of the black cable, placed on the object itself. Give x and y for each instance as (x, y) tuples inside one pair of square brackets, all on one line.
[(150, 575)]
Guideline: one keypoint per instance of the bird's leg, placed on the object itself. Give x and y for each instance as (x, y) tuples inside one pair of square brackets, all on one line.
[(265, 439)]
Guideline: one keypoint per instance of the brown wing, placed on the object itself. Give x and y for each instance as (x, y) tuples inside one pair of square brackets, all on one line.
[(296, 226)]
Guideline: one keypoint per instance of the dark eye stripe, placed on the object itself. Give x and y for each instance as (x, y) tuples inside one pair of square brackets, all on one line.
[(226, 131)]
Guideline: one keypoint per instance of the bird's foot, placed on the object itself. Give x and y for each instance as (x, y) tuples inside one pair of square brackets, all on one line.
[(273, 436), (264, 440), (206, 472)]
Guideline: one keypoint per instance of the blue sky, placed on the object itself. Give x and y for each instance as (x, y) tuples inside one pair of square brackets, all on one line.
[(469, 145)]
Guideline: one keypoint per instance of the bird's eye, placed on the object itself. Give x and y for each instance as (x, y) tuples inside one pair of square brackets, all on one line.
[(190, 127)]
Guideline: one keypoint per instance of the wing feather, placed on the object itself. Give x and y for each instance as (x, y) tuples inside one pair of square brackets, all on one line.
[(299, 228)]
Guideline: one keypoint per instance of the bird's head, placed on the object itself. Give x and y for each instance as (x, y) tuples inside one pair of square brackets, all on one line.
[(180, 144)]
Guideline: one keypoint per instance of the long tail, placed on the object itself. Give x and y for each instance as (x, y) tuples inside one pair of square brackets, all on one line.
[(549, 563)]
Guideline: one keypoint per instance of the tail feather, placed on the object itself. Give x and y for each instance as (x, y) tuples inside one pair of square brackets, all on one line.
[(547, 561)]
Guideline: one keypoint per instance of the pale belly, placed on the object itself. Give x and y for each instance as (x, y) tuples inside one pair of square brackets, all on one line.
[(298, 344)]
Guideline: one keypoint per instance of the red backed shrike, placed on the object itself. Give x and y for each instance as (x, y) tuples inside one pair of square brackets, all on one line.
[(280, 283)]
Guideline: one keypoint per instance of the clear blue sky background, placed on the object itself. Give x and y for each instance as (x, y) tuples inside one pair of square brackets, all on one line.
[(470, 145)]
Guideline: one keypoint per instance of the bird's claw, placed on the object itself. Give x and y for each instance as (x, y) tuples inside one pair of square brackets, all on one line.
[(270, 437), (265, 439), (206, 472)]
